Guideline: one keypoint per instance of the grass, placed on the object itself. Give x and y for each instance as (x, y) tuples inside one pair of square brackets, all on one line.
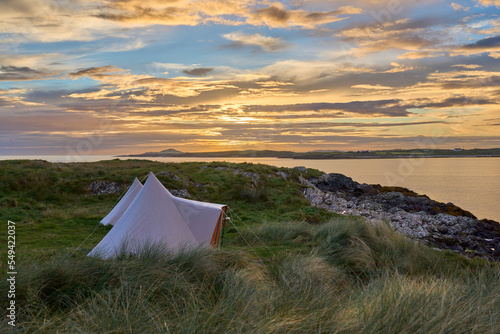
[(208, 291), (291, 269)]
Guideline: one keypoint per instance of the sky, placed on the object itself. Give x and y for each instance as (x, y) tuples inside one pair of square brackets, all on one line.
[(131, 76)]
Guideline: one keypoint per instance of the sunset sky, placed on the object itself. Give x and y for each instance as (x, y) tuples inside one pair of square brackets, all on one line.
[(129, 76)]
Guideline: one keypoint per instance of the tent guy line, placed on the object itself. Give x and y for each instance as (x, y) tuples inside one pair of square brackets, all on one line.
[(123, 194)]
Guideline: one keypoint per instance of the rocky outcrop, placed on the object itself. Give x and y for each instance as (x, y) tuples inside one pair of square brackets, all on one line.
[(101, 187), (254, 176), (441, 225), (184, 193)]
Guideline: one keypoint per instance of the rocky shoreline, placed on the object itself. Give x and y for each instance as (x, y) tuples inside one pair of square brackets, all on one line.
[(440, 225)]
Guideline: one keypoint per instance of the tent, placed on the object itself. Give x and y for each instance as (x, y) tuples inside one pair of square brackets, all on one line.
[(123, 204), (155, 216)]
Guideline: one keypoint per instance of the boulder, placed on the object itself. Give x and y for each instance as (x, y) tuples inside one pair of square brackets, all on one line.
[(102, 187)]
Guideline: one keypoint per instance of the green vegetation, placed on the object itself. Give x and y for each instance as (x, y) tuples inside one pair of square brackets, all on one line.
[(53, 209), (291, 268)]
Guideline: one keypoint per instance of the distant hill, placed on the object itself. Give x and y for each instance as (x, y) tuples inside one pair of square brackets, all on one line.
[(171, 152), (327, 154)]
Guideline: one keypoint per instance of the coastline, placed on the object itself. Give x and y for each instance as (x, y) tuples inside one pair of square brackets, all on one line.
[(313, 158), (439, 225), (404, 154)]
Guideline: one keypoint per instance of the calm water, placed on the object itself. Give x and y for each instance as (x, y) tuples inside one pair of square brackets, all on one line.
[(471, 183)]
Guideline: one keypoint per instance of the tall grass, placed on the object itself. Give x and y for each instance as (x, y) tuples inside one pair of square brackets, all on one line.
[(356, 278)]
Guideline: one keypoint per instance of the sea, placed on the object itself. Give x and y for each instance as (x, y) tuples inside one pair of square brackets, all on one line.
[(469, 182)]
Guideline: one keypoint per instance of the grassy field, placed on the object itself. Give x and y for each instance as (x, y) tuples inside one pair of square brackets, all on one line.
[(285, 267)]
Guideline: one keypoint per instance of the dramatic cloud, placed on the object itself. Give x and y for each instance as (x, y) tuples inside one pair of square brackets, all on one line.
[(212, 74), (484, 44), (277, 15), (120, 84), (491, 45), (53, 21), (267, 43), (226, 12), (98, 73), (371, 108), (13, 73)]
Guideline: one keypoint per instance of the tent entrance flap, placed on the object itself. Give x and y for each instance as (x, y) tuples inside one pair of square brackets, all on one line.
[(218, 228)]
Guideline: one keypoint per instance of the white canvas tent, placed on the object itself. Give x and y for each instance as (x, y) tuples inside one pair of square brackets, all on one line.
[(123, 204), (155, 216)]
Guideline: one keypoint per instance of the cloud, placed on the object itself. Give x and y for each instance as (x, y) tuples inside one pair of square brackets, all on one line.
[(277, 16), (53, 21), (484, 44), (468, 66), (419, 55), (220, 72), (390, 108), (375, 108), (198, 72), (228, 12), (14, 73), (403, 34), (371, 87), (150, 12), (12, 97), (397, 68), (465, 79), (456, 101), (269, 44), (488, 3), (36, 61), (98, 73), (129, 45), (488, 44), (457, 6), (181, 88), (120, 84)]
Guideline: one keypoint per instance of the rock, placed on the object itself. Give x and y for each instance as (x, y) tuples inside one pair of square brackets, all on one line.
[(101, 187), (305, 182), (336, 182), (301, 169), (282, 174), (171, 175), (184, 193), (221, 168), (254, 176), (314, 195)]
